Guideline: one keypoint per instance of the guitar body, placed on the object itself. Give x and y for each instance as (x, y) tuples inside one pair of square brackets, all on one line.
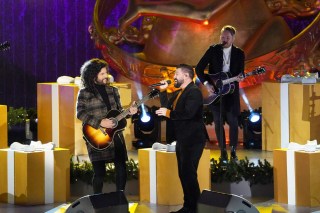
[(209, 98), (102, 138), (226, 83)]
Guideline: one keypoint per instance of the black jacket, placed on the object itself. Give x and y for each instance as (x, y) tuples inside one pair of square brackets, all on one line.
[(187, 117), (214, 58)]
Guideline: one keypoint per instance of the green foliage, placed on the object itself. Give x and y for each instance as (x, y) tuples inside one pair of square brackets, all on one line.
[(262, 173), (18, 116), (255, 174), (132, 170), (229, 172), (84, 172), (32, 113), (81, 171)]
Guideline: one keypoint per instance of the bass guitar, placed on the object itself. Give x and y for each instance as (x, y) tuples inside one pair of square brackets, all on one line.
[(224, 86), (102, 138)]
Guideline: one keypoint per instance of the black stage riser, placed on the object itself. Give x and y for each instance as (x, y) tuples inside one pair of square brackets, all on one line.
[(217, 202), (114, 202)]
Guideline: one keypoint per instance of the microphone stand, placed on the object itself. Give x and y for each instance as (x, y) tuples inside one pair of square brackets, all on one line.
[(223, 149)]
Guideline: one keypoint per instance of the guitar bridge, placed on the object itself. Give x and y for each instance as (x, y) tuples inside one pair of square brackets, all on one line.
[(103, 130)]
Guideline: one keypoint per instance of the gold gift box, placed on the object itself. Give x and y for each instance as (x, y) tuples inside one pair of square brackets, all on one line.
[(23, 177), (57, 121), (168, 186), (290, 113), (3, 127), (304, 177)]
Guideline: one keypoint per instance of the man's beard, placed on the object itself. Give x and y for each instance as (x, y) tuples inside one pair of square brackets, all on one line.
[(178, 83), (103, 82)]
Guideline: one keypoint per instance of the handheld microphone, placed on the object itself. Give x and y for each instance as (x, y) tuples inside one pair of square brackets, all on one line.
[(159, 84), (223, 43)]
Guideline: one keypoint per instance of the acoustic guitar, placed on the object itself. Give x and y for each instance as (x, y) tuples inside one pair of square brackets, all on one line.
[(224, 86), (101, 138)]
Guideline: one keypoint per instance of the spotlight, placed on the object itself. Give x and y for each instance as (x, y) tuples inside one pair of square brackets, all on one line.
[(252, 133), (254, 117), (254, 122), (145, 117), (146, 127), (145, 123)]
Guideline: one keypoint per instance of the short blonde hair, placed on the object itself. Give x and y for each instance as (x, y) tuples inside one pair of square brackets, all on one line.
[(229, 28)]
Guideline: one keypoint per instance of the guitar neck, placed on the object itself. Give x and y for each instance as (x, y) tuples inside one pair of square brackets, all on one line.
[(230, 80), (126, 112)]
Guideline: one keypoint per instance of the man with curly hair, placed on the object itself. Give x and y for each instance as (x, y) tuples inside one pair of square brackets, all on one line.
[(95, 100)]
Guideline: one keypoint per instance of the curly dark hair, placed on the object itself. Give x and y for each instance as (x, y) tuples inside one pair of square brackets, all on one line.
[(89, 71)]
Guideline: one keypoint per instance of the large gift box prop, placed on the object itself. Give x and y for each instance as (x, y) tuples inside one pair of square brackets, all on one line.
[(290, 113), (57, 121), (3, 127), (296, 177), (159, 180), (31, 178)]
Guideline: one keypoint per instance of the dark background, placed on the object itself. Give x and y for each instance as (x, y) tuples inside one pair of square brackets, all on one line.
[(48, 38)]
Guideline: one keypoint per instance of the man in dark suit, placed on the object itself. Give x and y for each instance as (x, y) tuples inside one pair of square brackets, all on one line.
[(224, 58), (185, 110)]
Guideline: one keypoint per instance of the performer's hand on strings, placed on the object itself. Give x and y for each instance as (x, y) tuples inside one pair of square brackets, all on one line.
[(107, 123), (133, 108)]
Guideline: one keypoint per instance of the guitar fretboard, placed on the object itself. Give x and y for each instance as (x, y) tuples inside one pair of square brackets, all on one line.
[(127, 111), (255, 72)]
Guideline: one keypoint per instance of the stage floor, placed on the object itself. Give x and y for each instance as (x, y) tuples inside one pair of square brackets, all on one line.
[(253, 155)]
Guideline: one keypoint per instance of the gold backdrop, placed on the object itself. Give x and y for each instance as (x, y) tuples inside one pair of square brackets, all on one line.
[(165, 33)]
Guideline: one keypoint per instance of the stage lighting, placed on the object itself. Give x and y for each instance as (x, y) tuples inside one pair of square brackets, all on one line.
[(254, 122), (146, 127), (252, 133), (145, 123), (145, 117), (254, 117)]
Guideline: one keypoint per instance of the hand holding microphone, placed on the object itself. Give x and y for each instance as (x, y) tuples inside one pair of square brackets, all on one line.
[(223, 43), (163, 84)]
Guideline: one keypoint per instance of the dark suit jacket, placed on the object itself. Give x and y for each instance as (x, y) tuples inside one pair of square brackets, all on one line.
[(187, 117), (214, 58)]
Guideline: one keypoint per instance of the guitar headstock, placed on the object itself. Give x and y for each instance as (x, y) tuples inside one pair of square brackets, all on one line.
[(5, 45), (259, 70), (153, 94)]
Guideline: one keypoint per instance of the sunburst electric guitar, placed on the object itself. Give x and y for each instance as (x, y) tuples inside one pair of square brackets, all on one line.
[(226, 84), (102, 138)]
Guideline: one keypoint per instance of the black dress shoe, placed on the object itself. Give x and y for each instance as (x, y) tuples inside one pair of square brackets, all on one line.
[(224, 156), (233, 154)]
